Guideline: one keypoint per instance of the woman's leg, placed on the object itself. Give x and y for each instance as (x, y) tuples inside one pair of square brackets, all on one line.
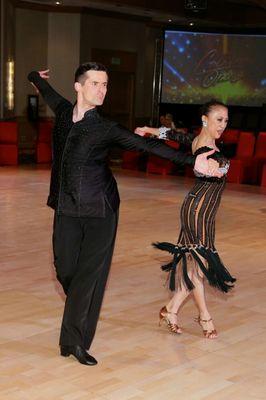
[(177, 300), (199, 295), (174, 305), (205, 319)]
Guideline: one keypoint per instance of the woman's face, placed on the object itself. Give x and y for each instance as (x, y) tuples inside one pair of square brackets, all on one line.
[(217, 120)]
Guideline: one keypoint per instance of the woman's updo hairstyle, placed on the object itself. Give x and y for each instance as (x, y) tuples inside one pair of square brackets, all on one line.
[(206, 108)]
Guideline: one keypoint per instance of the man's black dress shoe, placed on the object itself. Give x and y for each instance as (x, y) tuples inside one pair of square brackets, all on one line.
[(79, 352)]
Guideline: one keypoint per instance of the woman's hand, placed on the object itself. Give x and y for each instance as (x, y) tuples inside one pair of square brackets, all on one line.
[(141, 131)]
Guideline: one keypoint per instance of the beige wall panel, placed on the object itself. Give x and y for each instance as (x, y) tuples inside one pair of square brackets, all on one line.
[(63, 52), (117, 34), (31, 53)]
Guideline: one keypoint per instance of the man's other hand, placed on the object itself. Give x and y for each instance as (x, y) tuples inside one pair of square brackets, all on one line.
[(207, 167)]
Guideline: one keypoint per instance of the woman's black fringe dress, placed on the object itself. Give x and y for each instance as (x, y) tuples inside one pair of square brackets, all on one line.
[(195, 247)]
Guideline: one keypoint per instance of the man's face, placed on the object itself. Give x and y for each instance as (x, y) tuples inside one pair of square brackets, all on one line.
[(93, 88), (168, 121)]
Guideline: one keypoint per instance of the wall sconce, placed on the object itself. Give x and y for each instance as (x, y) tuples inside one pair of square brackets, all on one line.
[(10, 85)]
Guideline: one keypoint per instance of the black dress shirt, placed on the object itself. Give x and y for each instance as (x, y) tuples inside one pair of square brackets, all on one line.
[(82, 184)]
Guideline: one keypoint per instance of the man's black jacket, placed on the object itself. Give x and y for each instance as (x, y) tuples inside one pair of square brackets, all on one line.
[(81, 181)]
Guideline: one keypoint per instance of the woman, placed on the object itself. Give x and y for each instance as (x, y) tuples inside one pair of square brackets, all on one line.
[(195, 258)]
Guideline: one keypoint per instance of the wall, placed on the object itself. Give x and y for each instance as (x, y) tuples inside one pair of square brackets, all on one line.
[(63, 52), (45, 40), (118, 34), (7, 47), (61, 41), (31, 54)]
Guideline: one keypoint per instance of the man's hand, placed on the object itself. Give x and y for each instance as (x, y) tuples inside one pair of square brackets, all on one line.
[(207, 167), (43, 74)]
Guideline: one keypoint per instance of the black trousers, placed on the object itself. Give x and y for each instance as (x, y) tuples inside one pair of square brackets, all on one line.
[(83, 249)]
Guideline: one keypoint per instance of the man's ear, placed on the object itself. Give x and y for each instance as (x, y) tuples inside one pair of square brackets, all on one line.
[(77, 86)]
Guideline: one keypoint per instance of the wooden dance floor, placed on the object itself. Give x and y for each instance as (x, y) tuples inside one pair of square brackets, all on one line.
[(137, 359)]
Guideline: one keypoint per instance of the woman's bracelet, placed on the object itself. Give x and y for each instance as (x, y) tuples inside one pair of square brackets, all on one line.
[(163, 132)]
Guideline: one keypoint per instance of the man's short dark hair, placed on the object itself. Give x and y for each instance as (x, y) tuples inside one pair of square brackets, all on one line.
[(88, 66)]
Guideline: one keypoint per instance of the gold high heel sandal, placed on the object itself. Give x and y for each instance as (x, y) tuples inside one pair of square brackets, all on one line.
[(174, 328), (207, 334)]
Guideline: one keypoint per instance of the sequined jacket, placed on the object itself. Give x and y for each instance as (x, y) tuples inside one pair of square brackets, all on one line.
[(82, 184)]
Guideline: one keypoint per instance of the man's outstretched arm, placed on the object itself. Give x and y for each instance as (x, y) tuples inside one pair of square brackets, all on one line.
[(129, 141), (53, 99)]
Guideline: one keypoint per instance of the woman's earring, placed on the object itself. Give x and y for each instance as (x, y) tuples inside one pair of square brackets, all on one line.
[(204, 123)]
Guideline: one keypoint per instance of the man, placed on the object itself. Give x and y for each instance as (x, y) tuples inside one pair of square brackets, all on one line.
[(85, 198), (167, 120)]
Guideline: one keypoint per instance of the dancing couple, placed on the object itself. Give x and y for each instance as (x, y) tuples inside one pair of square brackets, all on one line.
[(85, 199)]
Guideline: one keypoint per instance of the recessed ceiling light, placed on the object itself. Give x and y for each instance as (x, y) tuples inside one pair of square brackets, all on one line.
[(191, 23), (58, 3), (170, 20)]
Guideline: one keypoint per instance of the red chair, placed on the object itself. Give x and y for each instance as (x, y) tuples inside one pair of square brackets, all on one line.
[(259, 158), (260, 150), (229, 140), (8, 143), (189, 172), (245, 145), (173, 144), (158, 165), (236, 171), (130, 160), (44, 142), (263, 178), (230, 136), (240, 166)]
